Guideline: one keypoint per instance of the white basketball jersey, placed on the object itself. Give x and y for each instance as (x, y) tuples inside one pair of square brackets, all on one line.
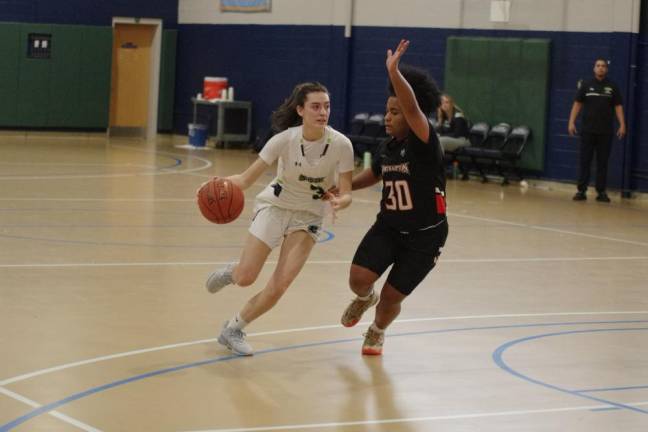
[(305, 169)]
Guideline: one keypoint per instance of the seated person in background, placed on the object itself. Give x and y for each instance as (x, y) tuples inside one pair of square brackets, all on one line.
[(452, 126)]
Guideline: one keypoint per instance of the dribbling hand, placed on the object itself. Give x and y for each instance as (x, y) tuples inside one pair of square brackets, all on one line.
[(204, 183)]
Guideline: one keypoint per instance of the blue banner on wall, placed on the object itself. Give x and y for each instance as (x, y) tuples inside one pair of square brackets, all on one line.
[(245, 5)]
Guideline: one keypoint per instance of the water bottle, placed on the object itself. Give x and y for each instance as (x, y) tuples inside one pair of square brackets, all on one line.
[(367, 160)]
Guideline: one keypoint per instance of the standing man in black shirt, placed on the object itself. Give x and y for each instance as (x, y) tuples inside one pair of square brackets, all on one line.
[(600, 100), (411, 227)]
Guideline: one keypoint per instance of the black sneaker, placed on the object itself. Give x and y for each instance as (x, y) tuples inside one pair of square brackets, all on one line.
[(580, 196), (603, 197)]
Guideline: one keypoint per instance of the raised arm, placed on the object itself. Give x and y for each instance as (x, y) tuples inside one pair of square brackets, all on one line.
[(416, 120)]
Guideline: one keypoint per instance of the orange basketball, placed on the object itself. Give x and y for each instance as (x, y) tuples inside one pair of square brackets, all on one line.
[(220, 201)]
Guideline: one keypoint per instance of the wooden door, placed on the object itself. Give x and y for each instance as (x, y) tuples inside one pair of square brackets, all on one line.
[(132, 45)]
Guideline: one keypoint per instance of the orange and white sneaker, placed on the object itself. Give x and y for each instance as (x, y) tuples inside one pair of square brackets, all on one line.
[(354, 311), (373, 342)]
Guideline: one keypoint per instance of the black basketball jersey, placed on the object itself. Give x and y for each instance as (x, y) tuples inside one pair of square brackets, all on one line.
[(413, 174)]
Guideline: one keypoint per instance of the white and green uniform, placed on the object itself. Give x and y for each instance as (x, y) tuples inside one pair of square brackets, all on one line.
[(305, 171)]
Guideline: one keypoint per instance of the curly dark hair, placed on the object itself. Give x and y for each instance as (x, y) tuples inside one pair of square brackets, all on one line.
[(428, 95), (286, 114)]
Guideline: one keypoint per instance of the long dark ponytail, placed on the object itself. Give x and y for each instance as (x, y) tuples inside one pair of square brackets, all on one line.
[(286, 115)]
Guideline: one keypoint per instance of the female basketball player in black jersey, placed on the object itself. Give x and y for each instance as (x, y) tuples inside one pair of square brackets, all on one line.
[(411, 228)]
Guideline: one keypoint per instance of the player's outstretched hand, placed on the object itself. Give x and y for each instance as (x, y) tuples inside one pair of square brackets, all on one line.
[(393, 58)]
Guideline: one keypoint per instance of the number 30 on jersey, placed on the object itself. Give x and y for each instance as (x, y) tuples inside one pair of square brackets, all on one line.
[(398, 195)]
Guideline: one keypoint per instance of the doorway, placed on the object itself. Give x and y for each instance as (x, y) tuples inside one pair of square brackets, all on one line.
[(135, 77)]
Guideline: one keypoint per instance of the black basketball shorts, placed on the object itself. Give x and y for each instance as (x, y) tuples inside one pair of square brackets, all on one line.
[(413, 255)]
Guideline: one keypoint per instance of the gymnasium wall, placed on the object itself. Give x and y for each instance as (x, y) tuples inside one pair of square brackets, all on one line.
[(68, 90), (72, 89), (88, 12), (167, 80), (639, 155), (342, 43), (534, 15), (263, 55)]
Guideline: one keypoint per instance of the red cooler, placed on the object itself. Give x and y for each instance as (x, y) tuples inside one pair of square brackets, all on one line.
[(213, 87)]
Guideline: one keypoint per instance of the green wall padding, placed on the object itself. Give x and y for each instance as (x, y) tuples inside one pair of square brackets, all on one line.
[(33, 81), (72, 88), (167, 80), (69, 90), (95, 66), (534, 81), (9, 72), (64, 91), (502, 80)]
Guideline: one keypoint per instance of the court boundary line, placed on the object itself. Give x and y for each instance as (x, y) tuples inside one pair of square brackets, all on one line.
[(107, 357), (498, 359), (93, 390), (494, 220), (554, 230), (411, 419), (59, 415), (158, 171), (191, 171)]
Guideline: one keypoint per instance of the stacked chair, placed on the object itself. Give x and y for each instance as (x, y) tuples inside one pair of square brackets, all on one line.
[(367, 131), (497, 149)]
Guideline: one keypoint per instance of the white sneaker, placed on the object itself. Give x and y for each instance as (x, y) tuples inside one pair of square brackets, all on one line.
[(234, 339), (220, 278)]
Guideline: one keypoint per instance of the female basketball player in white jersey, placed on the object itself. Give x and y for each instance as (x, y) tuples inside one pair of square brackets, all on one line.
[(311, 156)]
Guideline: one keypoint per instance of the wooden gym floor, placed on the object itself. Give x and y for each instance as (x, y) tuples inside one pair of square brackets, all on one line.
[(536, 318)]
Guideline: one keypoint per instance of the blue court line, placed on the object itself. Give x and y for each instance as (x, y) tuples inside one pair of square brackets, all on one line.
[(612, 389), (605, 409), (54, 405), (76, 396), (499, 352), (178, 162), (609, 390)]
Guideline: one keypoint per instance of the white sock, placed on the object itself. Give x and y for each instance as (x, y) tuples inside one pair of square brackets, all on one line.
[(229, 270), (237, 322), (367, 297), (375, 328)]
